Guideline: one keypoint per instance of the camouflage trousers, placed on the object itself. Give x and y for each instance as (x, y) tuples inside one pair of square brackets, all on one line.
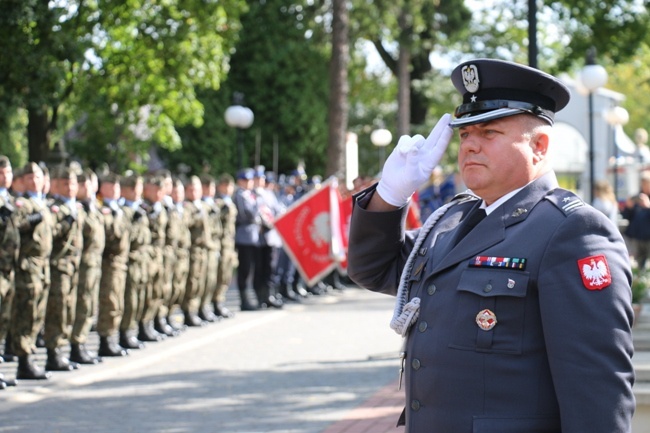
[(179, 279), (111, 297), (156, 287), (170, 260), (227, 265), (196, 280), (61, 305), (211, 276), (30, 300), (87, 293), (7, 290), (134, 295)]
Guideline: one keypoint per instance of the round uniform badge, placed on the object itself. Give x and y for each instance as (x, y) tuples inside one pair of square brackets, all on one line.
[(486, 319)]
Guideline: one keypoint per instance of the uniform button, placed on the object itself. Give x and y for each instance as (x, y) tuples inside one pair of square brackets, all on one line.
[(415, 364), (487, 288), (415, 405), (423, 326), (431, 289)]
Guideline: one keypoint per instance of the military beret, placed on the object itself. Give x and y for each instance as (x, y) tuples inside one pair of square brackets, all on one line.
[(31, 168), (4, 161), (493, 89), (155, 180), (62, 172), (225, 178), (110, 178), (86, 174), (130, 181), (246, 173)]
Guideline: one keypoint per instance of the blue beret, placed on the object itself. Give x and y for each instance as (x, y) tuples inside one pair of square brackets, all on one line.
[(493, 89)]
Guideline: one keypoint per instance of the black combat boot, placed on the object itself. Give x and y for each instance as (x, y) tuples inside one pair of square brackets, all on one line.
[(79, 354), (162, 327), (147, 333), (107, 347), (4, 383), (57, 362), (9, 355), (29, 371), (246, 304), (206, 315), (192, 319), (221, 311), (128, 341)]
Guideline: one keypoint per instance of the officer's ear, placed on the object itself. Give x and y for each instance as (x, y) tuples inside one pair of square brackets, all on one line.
[(539, 142)]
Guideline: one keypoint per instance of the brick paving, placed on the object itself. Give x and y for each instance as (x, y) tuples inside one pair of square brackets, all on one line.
[(378, 414)]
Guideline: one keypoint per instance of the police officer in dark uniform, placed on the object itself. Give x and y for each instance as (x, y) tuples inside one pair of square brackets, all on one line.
[(514, 299)]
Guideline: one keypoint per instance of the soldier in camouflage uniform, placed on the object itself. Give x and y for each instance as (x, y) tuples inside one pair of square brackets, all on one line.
[(90, 268), (157, 215), (201, 236), (67, 244), (177, 254), (32, 279), (208, 190), (10, 241), (113, 274), (139, 257), (228, 256)]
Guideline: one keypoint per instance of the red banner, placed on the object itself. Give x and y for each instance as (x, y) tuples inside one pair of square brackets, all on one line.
[(311, 232)]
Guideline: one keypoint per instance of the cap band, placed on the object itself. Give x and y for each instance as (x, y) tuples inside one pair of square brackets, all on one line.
[(494, 109)]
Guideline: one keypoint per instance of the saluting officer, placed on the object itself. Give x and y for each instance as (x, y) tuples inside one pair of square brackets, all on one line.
[(34, 223), (514, 298)]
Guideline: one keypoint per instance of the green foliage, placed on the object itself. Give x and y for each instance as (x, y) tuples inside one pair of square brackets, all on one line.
[(283, 76), (117, 64), (632, 79), (640, 283)]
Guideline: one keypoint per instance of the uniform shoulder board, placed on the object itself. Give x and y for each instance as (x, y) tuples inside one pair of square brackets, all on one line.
[(567, 201)]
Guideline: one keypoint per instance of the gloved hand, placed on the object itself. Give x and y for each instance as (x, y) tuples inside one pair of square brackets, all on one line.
[(6, 211), (412, 162)]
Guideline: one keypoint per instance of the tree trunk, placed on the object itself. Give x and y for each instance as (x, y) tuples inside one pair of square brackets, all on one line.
[(339, 89), (404, 77), (38, 134)]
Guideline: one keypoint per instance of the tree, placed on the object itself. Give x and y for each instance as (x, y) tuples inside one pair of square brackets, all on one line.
[(123, 63), (282, 73), (405, 33), (339, 88)]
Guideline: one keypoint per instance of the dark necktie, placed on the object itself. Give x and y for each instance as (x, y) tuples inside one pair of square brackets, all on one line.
[(469, 222)]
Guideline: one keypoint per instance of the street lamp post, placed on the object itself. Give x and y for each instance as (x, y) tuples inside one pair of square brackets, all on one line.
[(381, 138), (641, 140), (617, 117), (240, 117), (593, 76)]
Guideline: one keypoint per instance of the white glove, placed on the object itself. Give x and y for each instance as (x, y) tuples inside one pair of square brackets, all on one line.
[(411, 163)]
